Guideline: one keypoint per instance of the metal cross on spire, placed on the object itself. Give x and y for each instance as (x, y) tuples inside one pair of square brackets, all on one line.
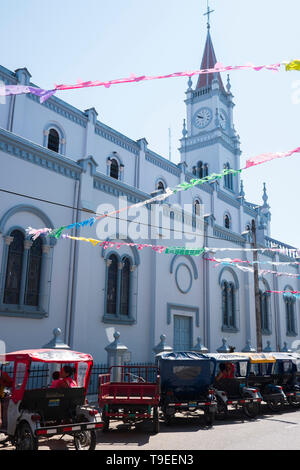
[(209, 11)]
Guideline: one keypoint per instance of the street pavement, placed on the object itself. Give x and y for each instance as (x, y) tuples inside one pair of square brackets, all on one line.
[(270, 431)]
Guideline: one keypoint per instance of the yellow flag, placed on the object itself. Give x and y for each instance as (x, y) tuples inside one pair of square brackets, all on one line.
[(294, 65)]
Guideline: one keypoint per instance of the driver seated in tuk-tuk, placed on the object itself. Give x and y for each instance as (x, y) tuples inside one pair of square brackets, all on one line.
[(65, 380), (227, 371)]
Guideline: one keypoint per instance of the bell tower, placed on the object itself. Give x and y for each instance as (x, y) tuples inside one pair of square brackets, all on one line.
[(210, 142)]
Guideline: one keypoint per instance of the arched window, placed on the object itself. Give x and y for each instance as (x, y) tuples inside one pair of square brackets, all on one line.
[(228, 304), (197, 207), (125, 287), (227, 221), (14, 269), (114, 169), (264, 310), (228, 179), (200, 170), (160, 186), (112, 285), (53, 140), (118, 287), (34, 273), (289, 301)]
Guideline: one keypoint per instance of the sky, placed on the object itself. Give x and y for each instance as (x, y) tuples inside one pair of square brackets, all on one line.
[(60, 42)]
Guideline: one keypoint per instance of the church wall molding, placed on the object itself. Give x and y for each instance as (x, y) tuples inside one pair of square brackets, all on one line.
[(38, 155)]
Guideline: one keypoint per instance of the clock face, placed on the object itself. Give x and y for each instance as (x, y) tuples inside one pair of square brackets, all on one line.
[(223, 120), (202, 118)]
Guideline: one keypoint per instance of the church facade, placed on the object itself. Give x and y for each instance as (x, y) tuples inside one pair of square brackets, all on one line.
[(59, 165)]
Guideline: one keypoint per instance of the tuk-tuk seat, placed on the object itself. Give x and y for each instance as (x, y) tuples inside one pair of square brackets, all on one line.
[(230, 386), (53, 403)]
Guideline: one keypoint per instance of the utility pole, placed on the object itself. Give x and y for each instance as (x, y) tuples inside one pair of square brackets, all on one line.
[(256, 290)]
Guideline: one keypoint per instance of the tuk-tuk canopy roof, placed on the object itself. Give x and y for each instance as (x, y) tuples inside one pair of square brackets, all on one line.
[(228, 357), (257, 358), (48, 355), (283, 356), (182, 356)]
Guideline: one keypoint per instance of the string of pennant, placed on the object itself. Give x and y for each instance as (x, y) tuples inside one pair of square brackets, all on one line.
[(251, 268), (178, 251), (46, 94), (258, 160)]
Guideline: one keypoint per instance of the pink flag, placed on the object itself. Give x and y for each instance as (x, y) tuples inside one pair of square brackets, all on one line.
[(265, 157)]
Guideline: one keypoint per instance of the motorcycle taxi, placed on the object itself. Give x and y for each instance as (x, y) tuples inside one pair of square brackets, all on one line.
[(185, 385), (29, 413), (232, 387), (287, 375), (262, 366)]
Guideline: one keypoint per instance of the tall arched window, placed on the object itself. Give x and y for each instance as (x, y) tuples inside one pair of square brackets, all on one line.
[(34, 273), (114, 169), (112, 285), (14, 269), (228, 179), (53, 140), (160, 186), (197, 207), (227, 221), (125, 287), (228, 304), (264, 310), (200, 170), (290, 301)]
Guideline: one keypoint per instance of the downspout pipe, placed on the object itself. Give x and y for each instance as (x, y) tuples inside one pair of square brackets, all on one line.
[(74, 273), (71, 267)]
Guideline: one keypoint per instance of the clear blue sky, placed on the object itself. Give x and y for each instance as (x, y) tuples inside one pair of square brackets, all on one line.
[(61, 41)]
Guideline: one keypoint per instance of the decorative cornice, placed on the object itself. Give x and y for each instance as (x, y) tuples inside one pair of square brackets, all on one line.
[(8, 77), (63, 109), (117, 188), (207, 139), (116, 137), (204, 94), (163, 163), (228, 235), (228, 199), (38, 155), (205, 186)]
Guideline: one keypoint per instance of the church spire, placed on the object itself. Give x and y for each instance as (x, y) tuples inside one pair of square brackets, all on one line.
[(209, 60)]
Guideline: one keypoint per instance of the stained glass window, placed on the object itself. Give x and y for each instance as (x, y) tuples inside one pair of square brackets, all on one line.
[(228, 304), (53, 140), (34, 273), (112, 285), (125, 287), (14, 269), (114, 169)]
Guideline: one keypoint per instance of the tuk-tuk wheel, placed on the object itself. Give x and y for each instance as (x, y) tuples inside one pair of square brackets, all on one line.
[(24, 439), (222, 410), (209, 417), (155, 420), (294, 403), (251, 410), (85, 440), (275, 405), (105, 420)]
